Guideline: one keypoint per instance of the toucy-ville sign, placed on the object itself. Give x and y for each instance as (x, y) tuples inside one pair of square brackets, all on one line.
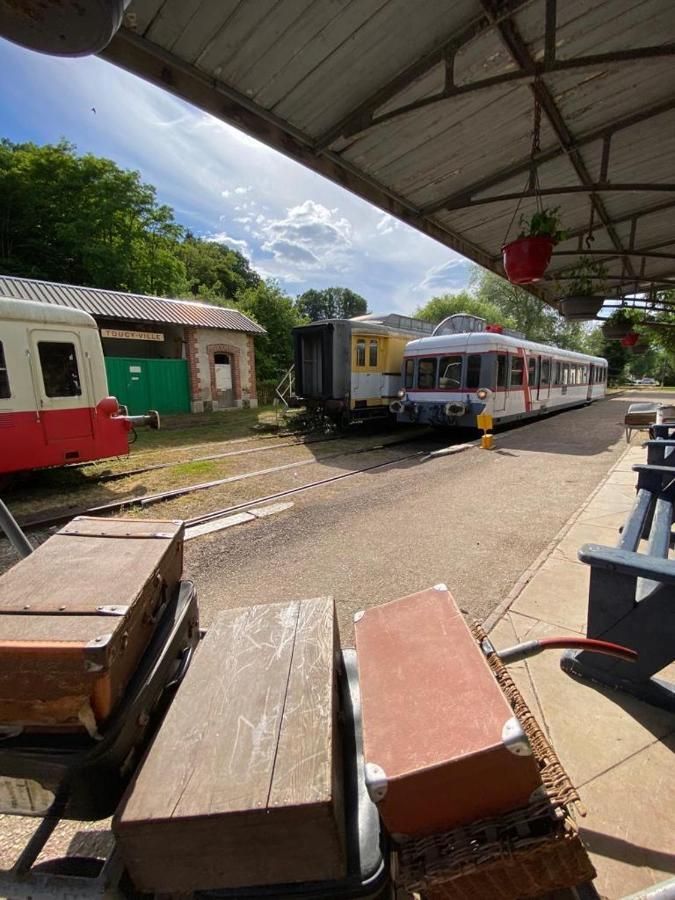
[(131, 335)]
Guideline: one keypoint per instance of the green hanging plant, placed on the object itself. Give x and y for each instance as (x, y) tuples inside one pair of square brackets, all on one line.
[(543, 223), (585, 278)]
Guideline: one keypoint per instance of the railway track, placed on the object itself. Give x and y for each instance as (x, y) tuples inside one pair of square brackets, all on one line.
[(55, 517)]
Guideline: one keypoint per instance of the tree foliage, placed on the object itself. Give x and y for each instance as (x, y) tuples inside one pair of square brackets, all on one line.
[(331, 303), (268, 305)]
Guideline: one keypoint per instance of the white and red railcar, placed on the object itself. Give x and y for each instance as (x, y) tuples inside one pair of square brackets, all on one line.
[(449, 379), (54, 403)]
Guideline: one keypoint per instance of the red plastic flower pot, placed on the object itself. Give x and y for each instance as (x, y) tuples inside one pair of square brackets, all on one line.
[(630, 340), (526, 259)]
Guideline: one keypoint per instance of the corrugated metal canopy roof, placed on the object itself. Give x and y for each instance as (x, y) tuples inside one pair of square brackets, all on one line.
[(425, 108), (134, 307)]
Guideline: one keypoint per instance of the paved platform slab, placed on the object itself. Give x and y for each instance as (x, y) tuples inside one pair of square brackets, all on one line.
[(618, 751)]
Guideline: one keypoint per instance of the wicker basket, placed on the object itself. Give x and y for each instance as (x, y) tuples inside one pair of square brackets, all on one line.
[(525, 853)]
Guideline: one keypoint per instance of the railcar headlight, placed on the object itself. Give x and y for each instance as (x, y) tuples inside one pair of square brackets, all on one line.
[(400, 394), (483, 393)]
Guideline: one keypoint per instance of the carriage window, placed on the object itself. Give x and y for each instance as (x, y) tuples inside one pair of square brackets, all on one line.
[(558, 374), (4, 377), (59, 369), (360, 352), (473, 371), (450, 372), (565, 373), (409, 372), (426, 373), (372, 353), (545, 375), (501, 370), (531, 371), (516, 371)]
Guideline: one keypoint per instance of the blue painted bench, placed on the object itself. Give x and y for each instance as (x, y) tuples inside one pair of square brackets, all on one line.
[(631, 597)]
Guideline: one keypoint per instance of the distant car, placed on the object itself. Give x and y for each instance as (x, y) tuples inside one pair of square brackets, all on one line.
[(647, 381)]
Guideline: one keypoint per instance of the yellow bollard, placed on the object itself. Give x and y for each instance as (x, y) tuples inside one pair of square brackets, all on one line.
[(484, 421)]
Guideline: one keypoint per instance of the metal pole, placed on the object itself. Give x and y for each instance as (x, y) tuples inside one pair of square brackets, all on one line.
[(16, 536)]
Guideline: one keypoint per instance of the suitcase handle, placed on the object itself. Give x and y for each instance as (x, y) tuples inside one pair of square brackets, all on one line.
[(183, 666)]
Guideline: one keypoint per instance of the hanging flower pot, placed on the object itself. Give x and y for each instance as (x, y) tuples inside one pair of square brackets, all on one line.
[(619, 325), (630, 340), (580, 307), (526, 259)]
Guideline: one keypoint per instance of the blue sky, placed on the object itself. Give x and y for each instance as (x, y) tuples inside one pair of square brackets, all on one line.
[(292, 224)]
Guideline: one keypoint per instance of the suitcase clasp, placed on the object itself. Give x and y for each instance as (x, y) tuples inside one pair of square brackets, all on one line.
[(113, 610)]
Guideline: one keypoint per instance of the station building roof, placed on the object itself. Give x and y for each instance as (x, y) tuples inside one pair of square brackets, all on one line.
[(426, 109), (103, 304)]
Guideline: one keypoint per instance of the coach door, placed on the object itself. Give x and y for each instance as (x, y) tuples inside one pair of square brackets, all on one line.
[(60, 377), (591, 375), (501, 382), (544, 389)]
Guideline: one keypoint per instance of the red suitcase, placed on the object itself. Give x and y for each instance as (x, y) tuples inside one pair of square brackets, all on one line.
[(441, 743)]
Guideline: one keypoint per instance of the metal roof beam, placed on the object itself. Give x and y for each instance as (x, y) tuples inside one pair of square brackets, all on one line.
[(524, 165), (357, 123), (361, 116), (620, 220), (596, 187), (521, 56)]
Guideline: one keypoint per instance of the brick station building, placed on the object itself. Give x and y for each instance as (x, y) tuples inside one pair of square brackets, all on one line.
[(170, 355)]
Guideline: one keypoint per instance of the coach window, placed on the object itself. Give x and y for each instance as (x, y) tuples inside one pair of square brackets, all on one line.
[(516, 371), (4, 377), (501, 370), (532, 371), (558, 373), (409, 372), (545, 376), (473, 371), (60, 374), (450, 373), (426, 374), (372, 353), (361, 352)]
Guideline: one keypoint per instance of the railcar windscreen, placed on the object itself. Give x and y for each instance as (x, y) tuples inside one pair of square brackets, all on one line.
[(4, 376), (426, 374), (450, 372), (60, 374)]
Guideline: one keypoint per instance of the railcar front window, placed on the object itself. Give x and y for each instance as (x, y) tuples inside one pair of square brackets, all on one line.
[(516, 371), (4, 377), (372, 353), (60, 374), (409, 372), (360, 352), (473, 372), (450, 373), (426, 374)]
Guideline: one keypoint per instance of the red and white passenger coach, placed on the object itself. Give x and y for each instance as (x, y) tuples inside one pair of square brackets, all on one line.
[(449, 379), (54, 403)]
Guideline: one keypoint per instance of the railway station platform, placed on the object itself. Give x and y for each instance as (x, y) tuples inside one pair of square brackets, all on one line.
[(618, 751)]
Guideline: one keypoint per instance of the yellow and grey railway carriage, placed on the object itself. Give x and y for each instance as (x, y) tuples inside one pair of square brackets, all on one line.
[(350, 369)]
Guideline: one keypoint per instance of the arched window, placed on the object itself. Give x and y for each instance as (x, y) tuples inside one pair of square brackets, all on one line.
[(221, 359)]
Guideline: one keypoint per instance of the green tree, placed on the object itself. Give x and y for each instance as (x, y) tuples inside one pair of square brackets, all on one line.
[(270, 307), (331, 303), (439, 308), (214, 271)]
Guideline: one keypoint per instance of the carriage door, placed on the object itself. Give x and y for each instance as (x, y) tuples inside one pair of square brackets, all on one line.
[(544, 389), (591, 375), (223, 370), (61, 385), (501, 382)]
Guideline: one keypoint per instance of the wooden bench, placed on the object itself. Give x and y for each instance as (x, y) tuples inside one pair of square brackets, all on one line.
[(632, 587), (242, 785)]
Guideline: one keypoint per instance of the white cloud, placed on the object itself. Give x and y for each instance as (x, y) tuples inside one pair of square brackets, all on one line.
[(243, 190), (221, 237), (225, 194), (450, 276), (309, 235), (386, 224)]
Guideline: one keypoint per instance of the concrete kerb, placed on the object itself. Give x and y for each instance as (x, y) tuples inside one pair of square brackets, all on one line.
[(529, 573)]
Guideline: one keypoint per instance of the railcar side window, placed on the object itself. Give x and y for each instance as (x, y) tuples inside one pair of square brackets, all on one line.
[(60, 374), (372, 353), (531, 371), (473, 371), (426, 373), (409, 372), (361, 352), (4, 377), (450, 372), (501, 370), (558, 373), (516, 371), (545, 376)]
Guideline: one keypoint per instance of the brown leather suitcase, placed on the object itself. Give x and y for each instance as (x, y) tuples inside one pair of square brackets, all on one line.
[(76, 616), (441, 744)]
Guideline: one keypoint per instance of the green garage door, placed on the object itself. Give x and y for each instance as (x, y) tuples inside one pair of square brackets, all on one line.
[(143, 384)]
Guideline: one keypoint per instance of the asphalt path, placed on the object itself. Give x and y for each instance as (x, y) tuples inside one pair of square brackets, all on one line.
[(474, 520)]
